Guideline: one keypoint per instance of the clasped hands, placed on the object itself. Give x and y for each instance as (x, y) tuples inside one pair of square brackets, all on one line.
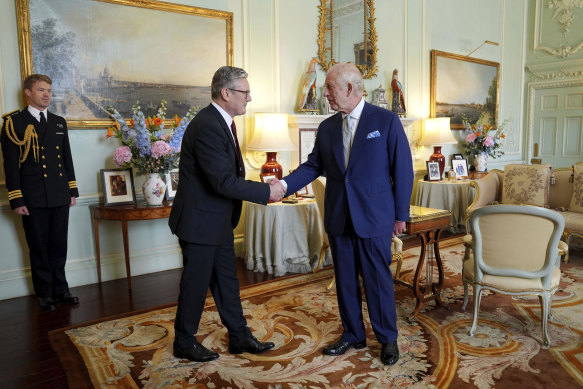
[(276, 190)]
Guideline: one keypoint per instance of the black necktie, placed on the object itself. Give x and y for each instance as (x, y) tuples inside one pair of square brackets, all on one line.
[(43, 123), (237, 149)]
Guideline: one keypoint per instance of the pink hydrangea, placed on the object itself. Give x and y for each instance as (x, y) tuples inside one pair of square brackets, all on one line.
[(488, 141), (471, 137), (122, 155), (161, 149)]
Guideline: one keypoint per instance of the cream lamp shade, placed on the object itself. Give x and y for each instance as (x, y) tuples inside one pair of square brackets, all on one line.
[(271, 135), (436, 133)]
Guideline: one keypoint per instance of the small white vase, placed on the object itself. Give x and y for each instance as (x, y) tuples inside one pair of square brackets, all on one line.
[(481, 162), (154, 189)]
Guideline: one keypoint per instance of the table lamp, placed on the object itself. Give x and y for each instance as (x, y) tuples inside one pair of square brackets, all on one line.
[(437, 133), (271, 135)]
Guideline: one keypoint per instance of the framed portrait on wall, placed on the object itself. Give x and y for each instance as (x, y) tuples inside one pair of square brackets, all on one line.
[(307, 138), (463, 86), (102, 53), (433, 173), (118, 186)]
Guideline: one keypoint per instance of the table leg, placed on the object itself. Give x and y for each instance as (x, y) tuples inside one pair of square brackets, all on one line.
[(97, 252), (126, 251), (429, 240)]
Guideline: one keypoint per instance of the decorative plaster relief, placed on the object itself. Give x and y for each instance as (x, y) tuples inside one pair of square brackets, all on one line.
[(562, 73), (565, 13)]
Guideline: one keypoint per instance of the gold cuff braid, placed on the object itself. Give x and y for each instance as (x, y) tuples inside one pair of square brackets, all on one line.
[(30, 139)]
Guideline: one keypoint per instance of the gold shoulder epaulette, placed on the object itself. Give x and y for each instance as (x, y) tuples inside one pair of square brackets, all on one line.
[(30, 139), (10, 113)]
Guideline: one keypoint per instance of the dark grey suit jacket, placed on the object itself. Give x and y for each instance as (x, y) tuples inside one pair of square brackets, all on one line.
[(208, 202)]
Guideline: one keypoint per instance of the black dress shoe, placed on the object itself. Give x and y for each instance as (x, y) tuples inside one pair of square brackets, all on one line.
[(249, 345), (390, 353), (198, 353), (67, 298), (341, 347), (47, 303)]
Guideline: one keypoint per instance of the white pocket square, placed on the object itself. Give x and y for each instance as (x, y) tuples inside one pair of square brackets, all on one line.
[(60, 133), (374, 134)]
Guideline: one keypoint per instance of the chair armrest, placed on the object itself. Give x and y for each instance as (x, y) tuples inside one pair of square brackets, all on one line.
[(487, 191)]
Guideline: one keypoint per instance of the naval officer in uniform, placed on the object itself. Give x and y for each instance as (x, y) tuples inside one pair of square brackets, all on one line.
[(41, 187)]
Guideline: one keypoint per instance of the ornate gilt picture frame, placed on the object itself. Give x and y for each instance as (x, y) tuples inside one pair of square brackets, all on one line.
[(462, 85), (102, 53)]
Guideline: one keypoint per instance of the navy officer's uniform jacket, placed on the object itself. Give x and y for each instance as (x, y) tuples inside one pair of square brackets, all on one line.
[(39, 175), (44, 180)]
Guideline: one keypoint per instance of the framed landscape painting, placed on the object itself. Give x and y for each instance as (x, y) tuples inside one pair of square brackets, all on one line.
[(102, 53), (462, 85)]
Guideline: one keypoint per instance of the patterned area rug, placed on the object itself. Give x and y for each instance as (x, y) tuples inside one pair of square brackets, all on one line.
[(301, 317)]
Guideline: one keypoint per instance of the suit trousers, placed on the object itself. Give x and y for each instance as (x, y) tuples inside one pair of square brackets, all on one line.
[(46, 232), (370, 257), (215, 267)]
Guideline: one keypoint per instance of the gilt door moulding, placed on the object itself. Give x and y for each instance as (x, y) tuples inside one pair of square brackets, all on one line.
[(565, 13)]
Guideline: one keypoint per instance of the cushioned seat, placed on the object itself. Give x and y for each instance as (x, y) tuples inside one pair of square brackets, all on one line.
[(508, 258)]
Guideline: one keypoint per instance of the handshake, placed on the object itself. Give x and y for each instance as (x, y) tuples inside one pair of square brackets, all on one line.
[(276, 190)]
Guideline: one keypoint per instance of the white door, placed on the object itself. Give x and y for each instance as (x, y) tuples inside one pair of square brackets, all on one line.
[(557, 125)]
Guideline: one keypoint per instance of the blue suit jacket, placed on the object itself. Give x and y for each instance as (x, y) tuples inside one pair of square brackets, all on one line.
[(375, 187)]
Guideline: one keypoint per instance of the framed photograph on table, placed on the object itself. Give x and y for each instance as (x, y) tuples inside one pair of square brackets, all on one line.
[(476, 90), (433, 173), (171, 179), (266, 177), (457, 156), (118, 186), (460, 167), (302, 192)]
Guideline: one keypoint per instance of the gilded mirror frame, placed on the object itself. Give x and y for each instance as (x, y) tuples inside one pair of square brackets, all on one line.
[(369, 69)]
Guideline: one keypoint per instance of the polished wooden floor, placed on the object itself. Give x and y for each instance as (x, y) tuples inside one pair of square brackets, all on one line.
[(27, 359)]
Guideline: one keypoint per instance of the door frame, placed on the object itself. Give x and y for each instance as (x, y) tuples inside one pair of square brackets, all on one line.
[(546, 81)]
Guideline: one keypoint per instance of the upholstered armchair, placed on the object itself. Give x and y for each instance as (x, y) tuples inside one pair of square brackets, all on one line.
[(514, 252), (319, 187), (537, 185)]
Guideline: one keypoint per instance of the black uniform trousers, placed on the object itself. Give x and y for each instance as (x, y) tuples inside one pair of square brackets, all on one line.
[(215, 267), (46, 232)]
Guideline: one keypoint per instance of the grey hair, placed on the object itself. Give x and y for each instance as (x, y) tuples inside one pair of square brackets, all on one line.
[(348, 73), (224, 77)]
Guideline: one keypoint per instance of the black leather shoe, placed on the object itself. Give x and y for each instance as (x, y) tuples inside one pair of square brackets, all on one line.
[(249, 345), (47, 303), (390, 353), (198, 353), (341, 347), (67, 298)]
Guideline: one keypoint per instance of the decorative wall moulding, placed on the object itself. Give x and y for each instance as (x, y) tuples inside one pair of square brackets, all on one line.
[(565, 70), (553, 22)]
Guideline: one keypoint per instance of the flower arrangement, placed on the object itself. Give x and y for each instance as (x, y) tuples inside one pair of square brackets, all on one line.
[(483, 138), (147, 144)]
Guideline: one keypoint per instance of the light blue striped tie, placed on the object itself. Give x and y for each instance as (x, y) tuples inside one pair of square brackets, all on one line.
[(346, 138)]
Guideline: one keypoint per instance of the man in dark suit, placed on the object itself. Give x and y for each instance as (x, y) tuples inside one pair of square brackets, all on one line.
[(206, 208), (365, 155), (41, 185)]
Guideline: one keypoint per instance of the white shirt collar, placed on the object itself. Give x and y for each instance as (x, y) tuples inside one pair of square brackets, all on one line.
[(224, 114), (36, 113), (354, 116)]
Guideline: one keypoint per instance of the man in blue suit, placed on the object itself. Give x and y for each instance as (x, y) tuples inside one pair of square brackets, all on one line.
[(365, 155)]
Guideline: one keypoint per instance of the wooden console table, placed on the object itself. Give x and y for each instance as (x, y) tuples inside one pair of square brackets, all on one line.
[(124, 213), (427, 224)]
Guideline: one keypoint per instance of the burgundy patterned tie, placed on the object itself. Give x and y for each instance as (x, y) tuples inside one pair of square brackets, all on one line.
[(238, 149)]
